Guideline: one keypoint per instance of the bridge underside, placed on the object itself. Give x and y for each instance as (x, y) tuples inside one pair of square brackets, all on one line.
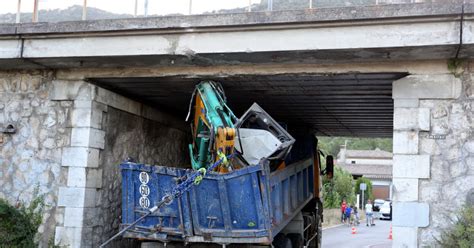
[(333, 105)]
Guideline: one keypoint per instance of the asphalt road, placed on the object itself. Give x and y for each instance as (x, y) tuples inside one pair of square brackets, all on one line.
[(365, 237)]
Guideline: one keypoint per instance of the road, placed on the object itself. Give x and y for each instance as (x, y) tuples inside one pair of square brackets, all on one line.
[(365, 237)]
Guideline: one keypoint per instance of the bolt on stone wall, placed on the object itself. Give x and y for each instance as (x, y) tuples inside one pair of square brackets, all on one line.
[(451, 146), (32, 156), (145, 141)]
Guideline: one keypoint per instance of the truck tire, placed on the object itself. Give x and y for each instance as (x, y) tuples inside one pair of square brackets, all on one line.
[(296, 240), (315, 227), (282, 241)]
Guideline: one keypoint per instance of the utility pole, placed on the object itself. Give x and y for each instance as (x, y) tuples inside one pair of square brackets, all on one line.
[(362, 188), (35, 11), (146, 8), (18, 12), (136, 9), (190, 11), (84, 10)]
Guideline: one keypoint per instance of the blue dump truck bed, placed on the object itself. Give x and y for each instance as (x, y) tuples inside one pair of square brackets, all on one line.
[(250, 205)]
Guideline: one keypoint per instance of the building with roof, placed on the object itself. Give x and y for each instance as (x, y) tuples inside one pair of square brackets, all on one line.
[(375, 165)]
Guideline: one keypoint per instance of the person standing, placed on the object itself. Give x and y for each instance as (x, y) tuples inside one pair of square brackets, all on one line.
[(343, 211), (356, 215), (369, 213), (348, 215)]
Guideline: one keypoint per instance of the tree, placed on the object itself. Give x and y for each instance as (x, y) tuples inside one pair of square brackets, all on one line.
[(340, 187), (331, 145), (368, 193)]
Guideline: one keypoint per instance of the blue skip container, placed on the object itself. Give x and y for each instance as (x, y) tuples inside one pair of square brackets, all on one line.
[(250, 205)]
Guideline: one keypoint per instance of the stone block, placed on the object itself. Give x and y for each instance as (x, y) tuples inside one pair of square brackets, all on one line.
[(404, 237), (68, 237), (424, 119), (405, 189), (76, 197), (87, 137), (80, 217), (441, 86), (73, 217), (411, 119), (84, 177), (83, 117), (411, 166), (119, 102), (73, 237), (405, 142), (406, 103), (71, 90), (80, 157), (411, 214), (87, 104)]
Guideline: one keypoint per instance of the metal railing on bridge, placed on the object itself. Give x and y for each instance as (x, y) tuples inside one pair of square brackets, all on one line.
[(24, 11)]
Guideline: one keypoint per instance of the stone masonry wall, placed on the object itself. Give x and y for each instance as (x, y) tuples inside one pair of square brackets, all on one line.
[(451, 182), (106, 128), (31, 157), (145, 141), (70, 138), (433, 139)]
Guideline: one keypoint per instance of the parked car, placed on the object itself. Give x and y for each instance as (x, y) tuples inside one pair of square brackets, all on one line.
[(386, 210), (377, 204)]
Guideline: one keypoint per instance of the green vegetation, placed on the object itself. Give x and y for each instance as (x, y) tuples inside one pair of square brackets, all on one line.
[(368, 193), (456, 66), (338, 189), (19, 224), (342, 186), (461, 233), (331, 145)]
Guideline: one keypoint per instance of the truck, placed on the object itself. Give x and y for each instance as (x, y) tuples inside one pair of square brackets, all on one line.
[(270, 196)]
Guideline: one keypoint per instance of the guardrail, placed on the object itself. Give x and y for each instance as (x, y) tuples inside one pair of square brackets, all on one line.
[(23, 11)]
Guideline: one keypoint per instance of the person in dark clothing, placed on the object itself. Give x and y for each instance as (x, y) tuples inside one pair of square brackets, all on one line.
[(348, 214)]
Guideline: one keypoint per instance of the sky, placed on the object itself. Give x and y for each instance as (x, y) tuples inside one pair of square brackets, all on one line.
[(160, 7)]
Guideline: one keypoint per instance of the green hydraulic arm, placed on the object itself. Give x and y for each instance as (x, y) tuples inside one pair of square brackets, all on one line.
[(212, 128)]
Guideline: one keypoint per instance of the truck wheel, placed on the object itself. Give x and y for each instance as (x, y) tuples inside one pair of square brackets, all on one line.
[(315, 228), (282, 241), (296, 240)]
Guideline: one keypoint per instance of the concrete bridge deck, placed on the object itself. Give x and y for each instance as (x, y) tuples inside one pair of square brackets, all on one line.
[(329, 35)]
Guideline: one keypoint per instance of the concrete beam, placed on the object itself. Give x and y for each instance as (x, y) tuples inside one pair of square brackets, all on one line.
[(442, 86), (429, 31), (188, 44)]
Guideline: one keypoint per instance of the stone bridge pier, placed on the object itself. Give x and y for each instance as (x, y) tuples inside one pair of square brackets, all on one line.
[(433, 161)]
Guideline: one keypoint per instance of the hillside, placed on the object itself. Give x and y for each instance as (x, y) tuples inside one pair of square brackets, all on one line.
[(74, 13)]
